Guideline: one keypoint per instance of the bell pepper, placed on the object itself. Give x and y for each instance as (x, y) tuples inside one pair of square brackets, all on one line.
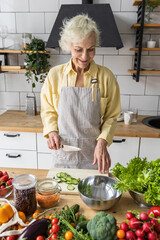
[(6, 213), (154, 211)]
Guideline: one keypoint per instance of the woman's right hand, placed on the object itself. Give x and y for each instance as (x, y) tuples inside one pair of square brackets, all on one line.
[(54, 140)]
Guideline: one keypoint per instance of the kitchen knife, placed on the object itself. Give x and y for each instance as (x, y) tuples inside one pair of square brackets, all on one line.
[(68, 148)]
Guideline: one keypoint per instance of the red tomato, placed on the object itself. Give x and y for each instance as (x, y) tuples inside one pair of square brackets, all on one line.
[(50, 231), (55, 220), (54, 236), (11, 237), (55, 228), (40, 238)]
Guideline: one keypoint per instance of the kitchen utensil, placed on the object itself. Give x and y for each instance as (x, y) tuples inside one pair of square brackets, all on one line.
[(68, 148), (97, 192), (139, 199)]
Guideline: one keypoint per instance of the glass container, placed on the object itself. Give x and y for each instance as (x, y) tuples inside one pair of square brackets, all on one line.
[(25, 193), (26, 39), (48, 192)]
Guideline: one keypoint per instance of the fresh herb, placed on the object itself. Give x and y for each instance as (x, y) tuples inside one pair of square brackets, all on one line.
[(36, 63), (140, 176), (150, 6)]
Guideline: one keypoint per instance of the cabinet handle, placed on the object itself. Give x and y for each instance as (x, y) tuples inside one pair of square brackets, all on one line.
[(13, 156), (11, 135), (119, 140)]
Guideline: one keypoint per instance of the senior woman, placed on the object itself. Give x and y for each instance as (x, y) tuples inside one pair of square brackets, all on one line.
[(80, 101)]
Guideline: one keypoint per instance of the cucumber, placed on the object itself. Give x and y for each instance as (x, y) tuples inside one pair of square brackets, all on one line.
[(70, 187)]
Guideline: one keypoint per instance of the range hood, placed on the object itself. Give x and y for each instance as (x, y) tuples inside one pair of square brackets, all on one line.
[(100, 13)]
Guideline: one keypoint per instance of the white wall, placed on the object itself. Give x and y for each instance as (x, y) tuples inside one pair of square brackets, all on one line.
[(38, 16)]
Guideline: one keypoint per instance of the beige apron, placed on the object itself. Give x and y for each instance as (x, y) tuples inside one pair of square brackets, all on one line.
[(79, 122)]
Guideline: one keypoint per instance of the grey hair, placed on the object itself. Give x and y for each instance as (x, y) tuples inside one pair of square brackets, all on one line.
[(77, 29)]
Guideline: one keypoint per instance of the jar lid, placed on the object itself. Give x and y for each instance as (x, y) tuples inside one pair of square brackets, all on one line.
[(24, 181), (47, 185)]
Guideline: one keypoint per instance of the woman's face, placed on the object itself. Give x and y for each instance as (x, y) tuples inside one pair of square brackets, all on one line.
[(83, 52)]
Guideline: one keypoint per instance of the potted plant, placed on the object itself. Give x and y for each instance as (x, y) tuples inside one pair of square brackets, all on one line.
[(150, 6), (36, 61)]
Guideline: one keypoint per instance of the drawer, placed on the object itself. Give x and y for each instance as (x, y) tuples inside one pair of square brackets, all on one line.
[(18, 140), (44, 160), (18, 159), (42, 144)]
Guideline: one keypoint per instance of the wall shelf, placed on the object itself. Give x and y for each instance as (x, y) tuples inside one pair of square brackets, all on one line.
[(145, 49), (139, 2), (144, 71), (19, 51), (137, 25)]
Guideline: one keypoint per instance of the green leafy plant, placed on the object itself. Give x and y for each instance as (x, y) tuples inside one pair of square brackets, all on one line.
[(150, 6), (36, 61)]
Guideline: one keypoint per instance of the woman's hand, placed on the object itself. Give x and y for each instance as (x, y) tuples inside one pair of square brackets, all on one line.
[(101, 156), (54, 140)]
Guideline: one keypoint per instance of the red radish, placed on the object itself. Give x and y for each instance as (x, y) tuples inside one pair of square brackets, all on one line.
[(151, 236), (129, 215), (5, 173), (130, 235), (134, 223), (157, 227), (1, 173), (140, 233), (124, 226), (139, 238), (146, 227), (144, 216), (153, 222)]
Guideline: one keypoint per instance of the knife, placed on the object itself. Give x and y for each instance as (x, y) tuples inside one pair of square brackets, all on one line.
[(68, 148)]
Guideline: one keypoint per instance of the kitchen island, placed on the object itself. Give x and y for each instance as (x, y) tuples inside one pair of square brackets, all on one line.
[(118, 211)]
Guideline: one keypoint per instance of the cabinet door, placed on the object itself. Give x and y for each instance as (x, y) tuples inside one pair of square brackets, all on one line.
[(18, 140), (150, 148), (18, 159), (42, 144), (124, 149), (44, 160)]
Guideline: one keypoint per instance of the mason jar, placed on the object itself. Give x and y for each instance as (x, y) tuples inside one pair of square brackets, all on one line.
[(26, 39), (25, 193)]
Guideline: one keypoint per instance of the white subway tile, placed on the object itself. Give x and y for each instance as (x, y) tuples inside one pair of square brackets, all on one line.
[(119, 65), (17, 82), (128, 42), (115, 4), (144, 103), (98, 59), (49, 21), (105, 50), (8, 19), (124, 102), (2, 82), (9, 99), (69, 2), (129, 86), (43, 6), (125, 20), (128, 6), (14, 6), (23, 96), (59, 59), (30, 22), (153, 85), (150, 62)]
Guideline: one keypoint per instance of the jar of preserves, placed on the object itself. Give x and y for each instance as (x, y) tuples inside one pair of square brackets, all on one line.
[(25, 193), (48, 192), (26, 39)]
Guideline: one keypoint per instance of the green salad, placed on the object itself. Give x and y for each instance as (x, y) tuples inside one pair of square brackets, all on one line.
[(140, 176)]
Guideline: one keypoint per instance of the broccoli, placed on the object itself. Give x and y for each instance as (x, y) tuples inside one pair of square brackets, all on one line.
[(102, 226)]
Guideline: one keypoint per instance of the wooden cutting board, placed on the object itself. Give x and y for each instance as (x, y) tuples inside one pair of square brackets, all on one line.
[(76, 173)]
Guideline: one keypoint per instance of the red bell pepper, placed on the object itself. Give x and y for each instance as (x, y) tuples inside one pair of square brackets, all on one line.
[(154, 211)]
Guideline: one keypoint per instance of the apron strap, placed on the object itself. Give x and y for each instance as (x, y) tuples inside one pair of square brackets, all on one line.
[(94, 89)]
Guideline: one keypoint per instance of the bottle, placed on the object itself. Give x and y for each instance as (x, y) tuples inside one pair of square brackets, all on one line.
[(25, 193), (26, 39)]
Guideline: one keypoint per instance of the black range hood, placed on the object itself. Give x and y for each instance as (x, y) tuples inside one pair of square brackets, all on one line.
[(100, 13)]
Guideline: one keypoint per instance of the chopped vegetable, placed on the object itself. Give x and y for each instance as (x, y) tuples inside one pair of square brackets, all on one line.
[(70, 187), (68, 179), (140, 176), (102, 226)]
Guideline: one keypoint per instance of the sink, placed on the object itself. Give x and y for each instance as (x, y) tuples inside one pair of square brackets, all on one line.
[(153, 122)]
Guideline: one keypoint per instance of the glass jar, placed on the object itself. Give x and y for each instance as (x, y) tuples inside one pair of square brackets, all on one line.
[(26, 39), (25, 193), (48, 192)]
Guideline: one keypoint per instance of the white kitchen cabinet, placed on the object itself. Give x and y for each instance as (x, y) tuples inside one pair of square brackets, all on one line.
[(124, 149), (18, 149), (150, 148)]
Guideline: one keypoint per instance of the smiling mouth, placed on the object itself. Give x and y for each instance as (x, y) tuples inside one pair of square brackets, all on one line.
[(83, 61)]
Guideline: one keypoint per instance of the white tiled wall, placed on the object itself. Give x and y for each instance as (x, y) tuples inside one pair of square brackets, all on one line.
[(38, 16)]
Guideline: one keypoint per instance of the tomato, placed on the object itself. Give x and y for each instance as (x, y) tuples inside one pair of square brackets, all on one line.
[(154, 211), (68, 235), (55, 220), (54, 236), (35, 215), (40, 238), (51, 216), (73, 224), (50, 231), (55, 228), (11, 237), (120, 233)]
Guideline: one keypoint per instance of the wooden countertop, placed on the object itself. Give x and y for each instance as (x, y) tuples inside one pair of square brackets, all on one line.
[(18, 121), (118, 211)]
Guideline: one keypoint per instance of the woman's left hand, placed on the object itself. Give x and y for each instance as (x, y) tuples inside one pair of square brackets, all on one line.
[(101, 156)]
